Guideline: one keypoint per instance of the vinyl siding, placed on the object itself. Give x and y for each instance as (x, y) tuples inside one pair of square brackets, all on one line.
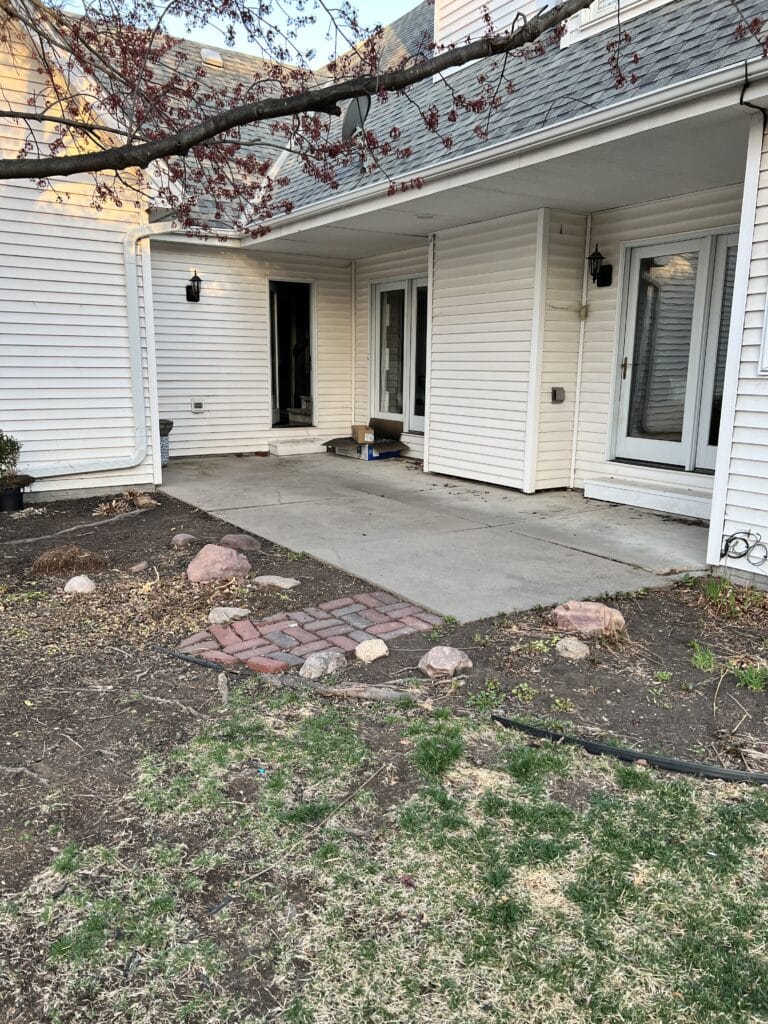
[(559, 364), (65, 388), (368, 272), (457, 19), (747, 495), (481, 346), (717, 208), (218, 350)]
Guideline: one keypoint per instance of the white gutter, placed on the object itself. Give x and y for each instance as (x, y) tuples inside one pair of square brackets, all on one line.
[(138, 453), (537, 146)]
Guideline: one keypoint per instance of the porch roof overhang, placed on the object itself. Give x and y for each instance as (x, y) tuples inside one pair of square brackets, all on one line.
[(683, 139)]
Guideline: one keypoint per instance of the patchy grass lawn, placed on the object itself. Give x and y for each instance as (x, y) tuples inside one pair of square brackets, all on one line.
[(318, 864), (166, 857)]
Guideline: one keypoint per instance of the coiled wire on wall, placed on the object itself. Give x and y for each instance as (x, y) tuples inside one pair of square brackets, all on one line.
[(745, 544)]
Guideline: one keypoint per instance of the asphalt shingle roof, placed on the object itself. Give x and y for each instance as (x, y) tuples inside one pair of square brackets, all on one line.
[(677, 42)]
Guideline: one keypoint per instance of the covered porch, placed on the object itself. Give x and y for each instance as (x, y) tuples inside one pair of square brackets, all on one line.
[(536, 377), (460, 549)]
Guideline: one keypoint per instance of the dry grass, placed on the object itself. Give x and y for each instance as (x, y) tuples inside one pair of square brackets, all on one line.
[(68, 558)]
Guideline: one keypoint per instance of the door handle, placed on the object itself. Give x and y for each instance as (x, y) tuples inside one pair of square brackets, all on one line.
[(624, 368)]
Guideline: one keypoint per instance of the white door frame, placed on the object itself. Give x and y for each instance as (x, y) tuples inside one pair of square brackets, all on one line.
[(706, 454), (409, 286), (277, 278), (413, 423), (671, 453)]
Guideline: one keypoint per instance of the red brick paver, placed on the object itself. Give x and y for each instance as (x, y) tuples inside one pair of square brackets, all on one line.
[(284, 640)]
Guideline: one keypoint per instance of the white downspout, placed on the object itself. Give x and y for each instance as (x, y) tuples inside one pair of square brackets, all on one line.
[(428, 367), (580, 357)]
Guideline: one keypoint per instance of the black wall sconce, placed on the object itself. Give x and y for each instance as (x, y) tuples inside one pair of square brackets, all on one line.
[(193, 288), (600, 271)]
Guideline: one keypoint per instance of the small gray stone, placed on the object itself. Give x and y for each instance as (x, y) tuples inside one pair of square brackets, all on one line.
[(572, 649), (444, 662), (182, 540), (139, 567), (240, 542), (590, 618), (214, 562), (282, 582), (221, 616), (371, 650), (79, 585), (322, 663)]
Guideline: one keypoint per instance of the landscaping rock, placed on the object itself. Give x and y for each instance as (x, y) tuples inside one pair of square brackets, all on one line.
[(322, 663), (240, 542), (590, 618), (139, 567), (79, 585), (221, 616), (572, 649), (182, 540), (444, 662), (282, 582), (371, 650), (214, 562)]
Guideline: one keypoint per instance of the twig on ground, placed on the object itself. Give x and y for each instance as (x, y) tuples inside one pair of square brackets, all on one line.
[(20, 770), (316, 828), (359, 691), (75, 529), (738, 702), (169, 701)]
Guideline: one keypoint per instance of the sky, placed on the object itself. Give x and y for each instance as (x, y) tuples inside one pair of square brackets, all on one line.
[(371, 12)]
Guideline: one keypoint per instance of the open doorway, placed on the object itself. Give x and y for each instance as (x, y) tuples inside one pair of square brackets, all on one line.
[(290, 308)]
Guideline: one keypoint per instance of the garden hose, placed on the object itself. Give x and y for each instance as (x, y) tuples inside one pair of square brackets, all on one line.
[(669, 764)]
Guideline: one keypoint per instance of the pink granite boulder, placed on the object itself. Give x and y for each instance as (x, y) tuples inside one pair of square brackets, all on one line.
[(444, 662), (589, 618), (214, 562)]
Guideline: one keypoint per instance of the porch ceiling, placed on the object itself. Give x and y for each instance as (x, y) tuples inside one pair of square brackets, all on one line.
[(694, 155)]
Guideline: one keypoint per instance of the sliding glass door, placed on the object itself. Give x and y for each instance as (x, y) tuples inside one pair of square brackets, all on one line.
[(400, 316), (674, 347)]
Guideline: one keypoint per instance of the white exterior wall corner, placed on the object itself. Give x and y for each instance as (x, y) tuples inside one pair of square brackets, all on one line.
[(482, 324), (66, 384), (218, 350), (611, 229), (740, 499), (560, 348)]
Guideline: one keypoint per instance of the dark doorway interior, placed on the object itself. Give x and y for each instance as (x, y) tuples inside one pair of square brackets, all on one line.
[(291, 328)]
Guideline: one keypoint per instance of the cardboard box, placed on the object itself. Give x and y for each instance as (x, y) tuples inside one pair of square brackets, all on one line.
[(385, 442), (363, 433)]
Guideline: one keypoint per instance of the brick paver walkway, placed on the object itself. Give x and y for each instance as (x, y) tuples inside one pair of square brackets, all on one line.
[(286, 639)]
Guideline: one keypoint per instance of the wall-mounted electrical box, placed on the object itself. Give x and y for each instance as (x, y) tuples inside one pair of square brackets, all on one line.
[(558, 396), (197, 405)]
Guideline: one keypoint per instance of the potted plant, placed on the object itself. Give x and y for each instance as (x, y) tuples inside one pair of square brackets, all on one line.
[(12, 483)]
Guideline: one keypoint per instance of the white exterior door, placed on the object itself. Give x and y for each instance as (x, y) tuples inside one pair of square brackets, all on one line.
[(674, 346), (400, 322)]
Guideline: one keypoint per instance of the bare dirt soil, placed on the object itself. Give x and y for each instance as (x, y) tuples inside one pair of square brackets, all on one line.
[(85, 694)]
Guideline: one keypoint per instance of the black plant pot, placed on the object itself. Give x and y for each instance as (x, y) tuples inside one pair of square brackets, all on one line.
[(11, 499)]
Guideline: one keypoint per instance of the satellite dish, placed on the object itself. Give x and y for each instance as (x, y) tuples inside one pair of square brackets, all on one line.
[(354, 116)]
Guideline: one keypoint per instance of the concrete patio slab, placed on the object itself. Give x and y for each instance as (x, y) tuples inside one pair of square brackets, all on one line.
[(458, 548)]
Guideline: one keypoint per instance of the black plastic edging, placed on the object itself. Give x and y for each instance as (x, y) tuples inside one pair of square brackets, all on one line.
[(198, 661), (669, 764)]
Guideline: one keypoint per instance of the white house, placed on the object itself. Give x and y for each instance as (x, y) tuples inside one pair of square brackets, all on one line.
[(466, 308)]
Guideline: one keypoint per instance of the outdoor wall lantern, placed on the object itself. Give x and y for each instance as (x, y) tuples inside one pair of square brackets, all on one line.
[(600, 271), (193, 288)]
